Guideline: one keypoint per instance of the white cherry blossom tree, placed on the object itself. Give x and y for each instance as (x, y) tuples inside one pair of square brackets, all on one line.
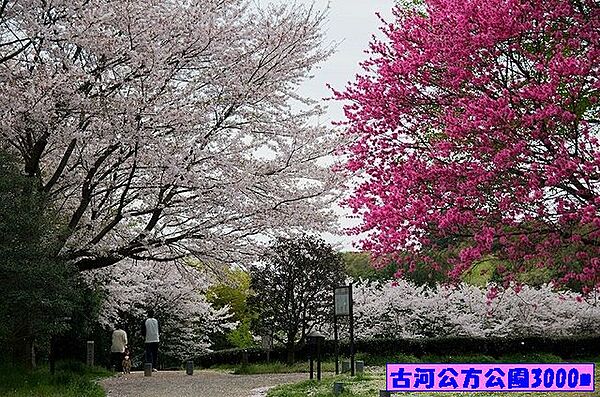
[(402, 309), (161, 129), (176, 293)]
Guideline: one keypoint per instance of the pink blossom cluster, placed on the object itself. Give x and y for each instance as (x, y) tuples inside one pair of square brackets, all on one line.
[(475, 132)]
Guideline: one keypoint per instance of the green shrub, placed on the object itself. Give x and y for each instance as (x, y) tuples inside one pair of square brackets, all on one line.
[(459, 358), (379, 351)]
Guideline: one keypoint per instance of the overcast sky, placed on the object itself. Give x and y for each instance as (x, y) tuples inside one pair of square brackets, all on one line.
[(351, 24)]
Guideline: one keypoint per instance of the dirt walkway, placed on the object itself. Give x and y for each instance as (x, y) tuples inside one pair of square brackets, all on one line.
[(202, 384)]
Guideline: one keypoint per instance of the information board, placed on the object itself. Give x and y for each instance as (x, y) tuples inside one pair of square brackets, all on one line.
[(342, 301)]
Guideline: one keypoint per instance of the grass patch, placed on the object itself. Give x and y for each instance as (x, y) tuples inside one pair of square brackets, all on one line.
[(467, 358), (363, 385), (274, 367), (532, 358), (70, 380), (371, 360)]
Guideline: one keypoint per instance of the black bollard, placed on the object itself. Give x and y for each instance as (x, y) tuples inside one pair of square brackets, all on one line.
[(319, 359)]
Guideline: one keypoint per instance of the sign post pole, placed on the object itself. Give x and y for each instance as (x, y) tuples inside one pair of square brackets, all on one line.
[(342, 302), (351, 314), (335, 338)]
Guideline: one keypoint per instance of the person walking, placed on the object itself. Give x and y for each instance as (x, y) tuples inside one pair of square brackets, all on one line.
[(117, 348), (151, 332)]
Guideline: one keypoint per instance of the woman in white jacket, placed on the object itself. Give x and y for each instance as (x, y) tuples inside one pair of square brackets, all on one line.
[(117, 348)]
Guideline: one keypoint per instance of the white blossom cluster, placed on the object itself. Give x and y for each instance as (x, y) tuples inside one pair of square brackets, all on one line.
[(177, 295), (401, 309), (165, 129)]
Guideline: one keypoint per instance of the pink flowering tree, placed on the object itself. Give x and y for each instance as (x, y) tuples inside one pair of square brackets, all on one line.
[(158, 130), (475, 132)]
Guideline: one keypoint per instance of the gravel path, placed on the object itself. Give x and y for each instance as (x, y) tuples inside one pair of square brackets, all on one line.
[(202, 384)]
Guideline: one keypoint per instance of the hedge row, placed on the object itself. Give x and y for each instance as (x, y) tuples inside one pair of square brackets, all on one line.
[(567, 347)]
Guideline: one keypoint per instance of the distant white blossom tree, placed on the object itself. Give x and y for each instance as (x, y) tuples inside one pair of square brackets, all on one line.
[(160, 129), (177, 296), (403, 309)]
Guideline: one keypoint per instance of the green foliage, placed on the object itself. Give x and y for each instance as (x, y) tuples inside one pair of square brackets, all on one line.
[(358, 266), (40, 293), (420, 273), (537, 276), (486, 271), (234, 292), (360, 385), (230, 357), (424, 274), (481, 273), (241, 336), (379, 351), (70, 380), (302, 389), (459, 358)]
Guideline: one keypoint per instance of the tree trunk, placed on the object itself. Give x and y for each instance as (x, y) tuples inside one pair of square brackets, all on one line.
[(24, 353), (291, 353)]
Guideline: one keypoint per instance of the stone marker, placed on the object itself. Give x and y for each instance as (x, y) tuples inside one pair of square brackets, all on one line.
[(148, 369), (189, 367), (338, 388), (359, 366), (90, 353), (345, 366)]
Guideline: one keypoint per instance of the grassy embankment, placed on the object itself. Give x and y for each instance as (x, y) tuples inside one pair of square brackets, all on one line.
[(69, 380)]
